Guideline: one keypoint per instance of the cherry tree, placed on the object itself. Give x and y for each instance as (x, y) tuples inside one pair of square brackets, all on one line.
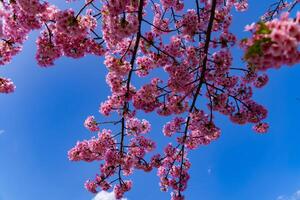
[(191, 48)]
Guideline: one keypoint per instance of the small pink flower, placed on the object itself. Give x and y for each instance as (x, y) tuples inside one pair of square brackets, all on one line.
[(261, 127), (91, 186), (91, 124), (241, 6), (6, 86), (250, 27)]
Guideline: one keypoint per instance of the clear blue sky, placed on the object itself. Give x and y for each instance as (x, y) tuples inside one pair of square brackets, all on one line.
[(43, 119)]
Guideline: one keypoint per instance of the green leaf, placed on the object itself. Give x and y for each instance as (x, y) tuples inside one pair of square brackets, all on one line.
[(244, 40), (263, 29), (256, 48)]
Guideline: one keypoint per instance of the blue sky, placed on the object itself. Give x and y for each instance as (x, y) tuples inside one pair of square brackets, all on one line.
[(44, 118)]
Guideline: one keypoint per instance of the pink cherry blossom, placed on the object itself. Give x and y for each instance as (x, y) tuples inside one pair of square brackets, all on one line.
[(91, 124), (167, 59), (261, 127), (6, 85), (274, 43)]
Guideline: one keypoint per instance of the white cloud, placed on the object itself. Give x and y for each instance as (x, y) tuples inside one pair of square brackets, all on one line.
[(295, 196), (103, 195)]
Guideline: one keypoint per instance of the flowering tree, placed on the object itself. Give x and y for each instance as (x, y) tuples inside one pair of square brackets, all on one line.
[(192, 50)]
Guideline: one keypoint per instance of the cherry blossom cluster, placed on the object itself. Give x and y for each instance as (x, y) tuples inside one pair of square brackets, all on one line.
[(190, 49), (277, 8), (18, 18), (63, 33), (91, 124), (274, 43), (6, 85), (67, 34), (116, 160), (124, 151)]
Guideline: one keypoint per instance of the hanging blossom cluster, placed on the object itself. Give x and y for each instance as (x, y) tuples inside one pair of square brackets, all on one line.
[(63, 34), (191, 49), (6, 85), (277, 8), (274, 43)]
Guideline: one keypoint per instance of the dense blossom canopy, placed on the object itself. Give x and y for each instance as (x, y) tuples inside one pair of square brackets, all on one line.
[(191, 48)]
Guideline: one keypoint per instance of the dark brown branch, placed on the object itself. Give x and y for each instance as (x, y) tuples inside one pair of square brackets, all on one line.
[(201, 81), (126, 105), (82, 9)]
